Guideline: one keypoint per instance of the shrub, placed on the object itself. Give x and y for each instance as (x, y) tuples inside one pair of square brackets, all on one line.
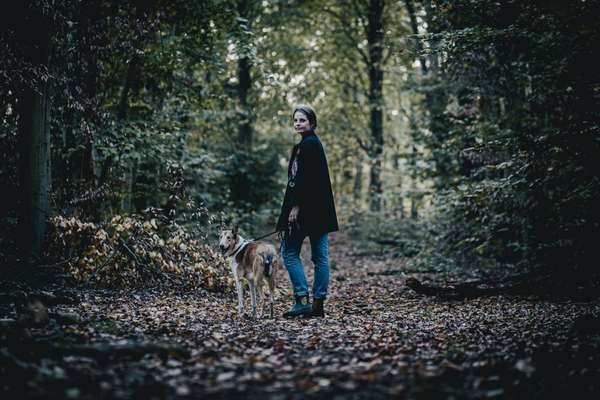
[(139, 250)]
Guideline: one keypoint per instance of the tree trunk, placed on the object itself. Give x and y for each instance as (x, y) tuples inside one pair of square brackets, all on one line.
[(131, 85), (90, 165), (414, 213), (414, 208), (410, 7), (375, 190), (244, 66), (358, 180), (435, 96), (245, 131), (375, 37), (88, 168), (414, 200), (128, 178), (128, 85), (241, 190), (398, 199), (34, 146)]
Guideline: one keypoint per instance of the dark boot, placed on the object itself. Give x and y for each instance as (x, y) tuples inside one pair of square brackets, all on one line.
[(317, 308), (302, 307)]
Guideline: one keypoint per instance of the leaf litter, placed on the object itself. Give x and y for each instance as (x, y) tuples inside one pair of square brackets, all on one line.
[(378, 340)]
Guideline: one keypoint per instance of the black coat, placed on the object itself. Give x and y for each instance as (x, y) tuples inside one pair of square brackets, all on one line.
[(309, 187)]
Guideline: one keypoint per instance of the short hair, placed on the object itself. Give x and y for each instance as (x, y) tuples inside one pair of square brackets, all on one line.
[(310, 114)]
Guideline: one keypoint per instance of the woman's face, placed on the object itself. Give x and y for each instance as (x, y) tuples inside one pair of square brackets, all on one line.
[(301, 124)]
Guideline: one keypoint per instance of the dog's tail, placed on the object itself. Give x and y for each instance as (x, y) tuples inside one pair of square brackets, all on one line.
[(268, 260)]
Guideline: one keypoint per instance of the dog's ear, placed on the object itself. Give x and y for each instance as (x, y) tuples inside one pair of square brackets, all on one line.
[(235, 230)]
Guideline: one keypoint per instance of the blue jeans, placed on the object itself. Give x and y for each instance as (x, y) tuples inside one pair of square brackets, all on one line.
[(290, 251)]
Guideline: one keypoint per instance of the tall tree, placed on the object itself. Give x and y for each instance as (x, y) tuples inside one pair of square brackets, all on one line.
[(33, 35), (246, 11), (362, 24), (375, 36)]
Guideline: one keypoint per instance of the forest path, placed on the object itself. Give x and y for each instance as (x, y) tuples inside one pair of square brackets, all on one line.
[(378, 340)]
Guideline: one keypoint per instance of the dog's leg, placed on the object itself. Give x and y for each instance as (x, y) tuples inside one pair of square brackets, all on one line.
[(271, 282), (240, 292), (252, 285), (261, 297), (238, 286), (271, 292)]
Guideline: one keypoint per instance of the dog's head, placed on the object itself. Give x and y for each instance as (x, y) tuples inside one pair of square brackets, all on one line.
[(228, 239)]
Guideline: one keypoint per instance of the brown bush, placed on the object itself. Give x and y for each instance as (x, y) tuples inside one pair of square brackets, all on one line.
[(138, 250)]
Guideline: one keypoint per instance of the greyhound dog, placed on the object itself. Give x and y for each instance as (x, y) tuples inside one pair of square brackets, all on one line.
[(255, 261)]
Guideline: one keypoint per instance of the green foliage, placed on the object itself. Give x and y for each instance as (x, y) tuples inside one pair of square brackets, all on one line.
[(255, 185), (403, 237), (523, 118)]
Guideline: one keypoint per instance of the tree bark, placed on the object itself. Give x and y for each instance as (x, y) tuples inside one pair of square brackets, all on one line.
[(241, 190), (245, 131), (34, 137), (358, 180), (244, 66), (414, 200), (410, 7), (375, 36), (130, 86)]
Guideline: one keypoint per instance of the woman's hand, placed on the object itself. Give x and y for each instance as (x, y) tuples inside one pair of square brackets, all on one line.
[(293, 217)]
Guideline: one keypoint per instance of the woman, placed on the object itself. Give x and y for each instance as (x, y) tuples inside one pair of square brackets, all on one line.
[(308, 210)]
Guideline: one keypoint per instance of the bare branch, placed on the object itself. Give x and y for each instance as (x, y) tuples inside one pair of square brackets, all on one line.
[(367, 148)]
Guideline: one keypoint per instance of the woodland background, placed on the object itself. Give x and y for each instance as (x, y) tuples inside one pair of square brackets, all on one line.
[(459, 131)]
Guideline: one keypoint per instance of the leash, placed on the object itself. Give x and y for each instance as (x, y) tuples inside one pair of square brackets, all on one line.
[(264, 236)]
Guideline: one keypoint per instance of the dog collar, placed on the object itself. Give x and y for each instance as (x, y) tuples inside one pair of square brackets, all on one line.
[(240, 248)]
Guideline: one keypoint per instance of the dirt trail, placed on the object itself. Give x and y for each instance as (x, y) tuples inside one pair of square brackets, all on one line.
[(379, 340)]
